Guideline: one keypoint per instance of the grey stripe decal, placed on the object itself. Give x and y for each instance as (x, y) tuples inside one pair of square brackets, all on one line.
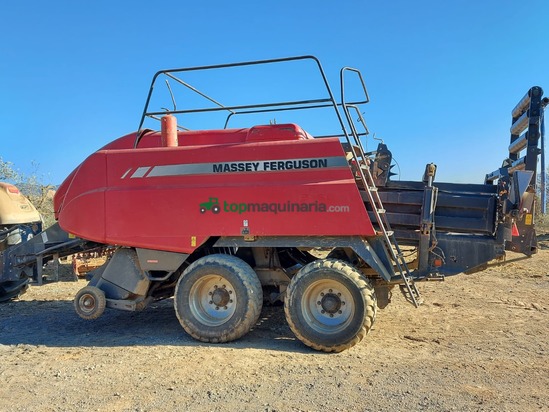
[(244, 166), (140, 172), (184, 169)]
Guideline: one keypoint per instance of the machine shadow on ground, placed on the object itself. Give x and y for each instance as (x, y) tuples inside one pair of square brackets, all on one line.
[(55, 324)]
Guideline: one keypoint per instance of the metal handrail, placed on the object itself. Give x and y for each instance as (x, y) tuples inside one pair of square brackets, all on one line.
[(328, 101)]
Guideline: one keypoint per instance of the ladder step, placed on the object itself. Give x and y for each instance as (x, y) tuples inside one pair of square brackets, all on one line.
[(372, 189), (389, 233), (410, 291), (381, 211)]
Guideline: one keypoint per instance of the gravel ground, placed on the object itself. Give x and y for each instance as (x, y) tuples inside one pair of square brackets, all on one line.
[(478, 343)]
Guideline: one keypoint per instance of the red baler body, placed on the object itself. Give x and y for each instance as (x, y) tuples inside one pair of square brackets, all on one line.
[(267, 181)]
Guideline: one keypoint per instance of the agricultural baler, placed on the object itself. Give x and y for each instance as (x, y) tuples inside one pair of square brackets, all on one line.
[(224, 219)]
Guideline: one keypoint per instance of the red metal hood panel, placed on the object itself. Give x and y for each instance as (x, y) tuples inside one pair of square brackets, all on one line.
[(175, 198)]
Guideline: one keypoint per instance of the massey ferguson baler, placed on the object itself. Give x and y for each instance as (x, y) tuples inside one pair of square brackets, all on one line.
[(223, 219)]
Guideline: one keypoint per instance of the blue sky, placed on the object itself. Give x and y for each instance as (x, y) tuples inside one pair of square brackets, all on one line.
[(443, 76)]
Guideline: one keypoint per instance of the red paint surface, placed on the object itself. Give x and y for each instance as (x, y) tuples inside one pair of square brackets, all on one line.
[(100, 201)]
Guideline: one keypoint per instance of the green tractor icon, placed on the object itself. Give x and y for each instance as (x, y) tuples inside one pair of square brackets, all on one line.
[(212, 204)]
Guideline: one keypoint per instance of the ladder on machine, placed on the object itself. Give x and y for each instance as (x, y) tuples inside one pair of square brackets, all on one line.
[(387, 235), (362, 162)]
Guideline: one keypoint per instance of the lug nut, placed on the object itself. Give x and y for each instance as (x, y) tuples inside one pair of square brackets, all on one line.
[(217, 308), (318, 303), (210, 302), (322, 311)]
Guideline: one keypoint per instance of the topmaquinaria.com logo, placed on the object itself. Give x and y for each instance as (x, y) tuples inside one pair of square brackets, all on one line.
[(215, 206)]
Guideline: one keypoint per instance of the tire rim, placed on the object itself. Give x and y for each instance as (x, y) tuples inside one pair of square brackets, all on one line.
[(88, 303), (327, 306), (212, 300)]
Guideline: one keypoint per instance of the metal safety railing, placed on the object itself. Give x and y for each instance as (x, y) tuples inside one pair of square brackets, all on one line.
[(326, 101)]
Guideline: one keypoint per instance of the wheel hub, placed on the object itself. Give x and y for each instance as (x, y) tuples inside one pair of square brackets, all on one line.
[(331, 303), (220, 297), (88, 302)]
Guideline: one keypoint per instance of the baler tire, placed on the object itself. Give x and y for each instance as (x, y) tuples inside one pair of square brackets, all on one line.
[(90, 302), (12, 290), (218, 298), (330, 306)]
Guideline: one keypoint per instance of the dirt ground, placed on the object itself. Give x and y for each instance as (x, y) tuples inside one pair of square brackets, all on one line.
[(480, 342)]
